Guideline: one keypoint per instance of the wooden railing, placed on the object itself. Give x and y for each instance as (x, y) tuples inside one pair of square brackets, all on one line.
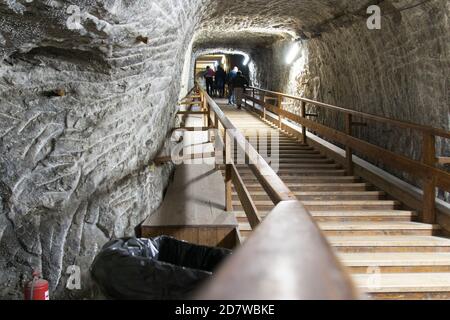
[(425, 169), (287, 256)]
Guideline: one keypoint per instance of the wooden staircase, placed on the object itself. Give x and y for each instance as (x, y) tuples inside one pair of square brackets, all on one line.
[(390, 255)]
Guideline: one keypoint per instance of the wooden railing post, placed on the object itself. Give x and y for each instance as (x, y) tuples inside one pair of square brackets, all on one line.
[(253, 96), (208, 109), (280, 108), (208, 120), (228, 187), (202, 106), (303, 115), (429, 183), (228, 172), (348, 150), (216, 138)]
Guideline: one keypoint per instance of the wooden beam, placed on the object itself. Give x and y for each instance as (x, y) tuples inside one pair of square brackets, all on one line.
[(246, 200), (270, 181), (271, 267), (348, 150), (429, 182), (228, 188), (280, 106), (303, 114), (398, 123), (443, 160)]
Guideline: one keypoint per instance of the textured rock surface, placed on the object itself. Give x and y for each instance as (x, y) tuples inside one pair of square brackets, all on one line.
[(83, 112), (75, 168)]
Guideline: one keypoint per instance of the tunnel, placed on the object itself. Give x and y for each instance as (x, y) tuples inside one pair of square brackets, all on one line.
[(89, 92)]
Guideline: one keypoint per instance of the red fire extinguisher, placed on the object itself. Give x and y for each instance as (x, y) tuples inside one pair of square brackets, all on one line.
[(36, 289)]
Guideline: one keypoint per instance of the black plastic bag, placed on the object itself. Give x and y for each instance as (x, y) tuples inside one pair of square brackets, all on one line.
[(155, 269)]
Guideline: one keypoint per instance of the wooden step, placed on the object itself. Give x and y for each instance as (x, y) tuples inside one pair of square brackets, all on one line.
[(395, 262), (270, 136), (327, 195), (331, 205), (285, 173), (282, 148), (364, 228), (337, 216), (405, 285), (280, 139), (339, 195), (364, 215), (292, 158), (260, 205), (242, 217), (303, 160), (316, 186), (351, 205), (286, 144), (283, 153), (302, 156), (389, 243), (245, 229), (270, 133), (358, 228), (294, 166), (308, 179), (288, 154)]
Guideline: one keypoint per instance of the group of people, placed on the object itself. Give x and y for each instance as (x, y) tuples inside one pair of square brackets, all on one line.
[(234, 80)]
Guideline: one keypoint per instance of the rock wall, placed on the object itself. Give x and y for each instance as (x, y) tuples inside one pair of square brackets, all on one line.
[(87, 99)]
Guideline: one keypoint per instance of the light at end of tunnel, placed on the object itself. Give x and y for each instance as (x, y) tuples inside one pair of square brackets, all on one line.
[(246, 60), (293, 53)]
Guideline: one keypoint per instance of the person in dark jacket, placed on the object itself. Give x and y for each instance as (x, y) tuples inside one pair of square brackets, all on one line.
[(221, 76), (230, 78), (209, 77), (239, 84)]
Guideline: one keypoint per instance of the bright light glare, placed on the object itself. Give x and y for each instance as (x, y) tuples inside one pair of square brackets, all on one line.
[(293, 53), (246, 60)]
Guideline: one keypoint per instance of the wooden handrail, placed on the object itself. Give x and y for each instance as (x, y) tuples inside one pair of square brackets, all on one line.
[(425, 170), (398, 123), (287, 256), (271, 182)]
